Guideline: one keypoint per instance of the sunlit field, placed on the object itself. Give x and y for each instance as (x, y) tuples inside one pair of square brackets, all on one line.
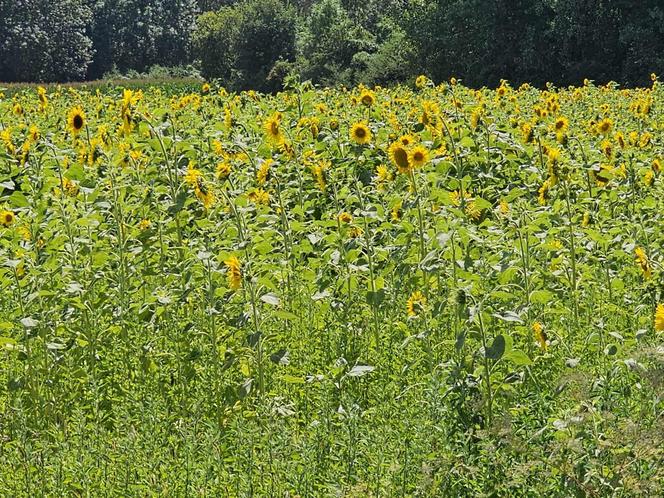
[(426, 291)]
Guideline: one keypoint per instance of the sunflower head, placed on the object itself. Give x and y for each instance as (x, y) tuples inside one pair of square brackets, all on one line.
[(659, 318), (273, 128), (418, 156), (345, 217), (367, 98), (421, 81), (234, 272), (605, 126), (407, 140), (76, 120), (416, 303), (561, 124), (540, 335), (7, 218), (360, 133), (399, 156)]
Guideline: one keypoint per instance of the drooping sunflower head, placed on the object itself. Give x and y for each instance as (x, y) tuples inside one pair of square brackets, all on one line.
[(223, 170), (33, 134), (76, 120), (399, 156), (259, 197), (416, 303), (418, 156), (360, 133), (234, 272), (345, 217), (263, 172), (527, 132), (540, 335)]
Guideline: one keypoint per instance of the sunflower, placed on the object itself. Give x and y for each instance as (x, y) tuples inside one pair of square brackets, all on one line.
[(345, 217), (76, 120), (204, 193), (407, 140), (43, 99), (399, 156), (421, 81), (544, 192), (263, 172), (659, 318), (561, 125), (367, 98), (360, 133), (318, 171), (527, 132), (604, 126), (396, 211), (259, 196), (383, 174), (272, 128), (192, 176), (234, 272), (416, 303), (6, 218), (34, 134), (418, 156), (540, 335), (643, 262), (223, 170)]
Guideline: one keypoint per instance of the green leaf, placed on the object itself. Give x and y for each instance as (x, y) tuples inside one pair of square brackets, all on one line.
[(285, 315), (360, 370), (271, 299), (292, 379), (541, 297), (518, 357), (496, 350)]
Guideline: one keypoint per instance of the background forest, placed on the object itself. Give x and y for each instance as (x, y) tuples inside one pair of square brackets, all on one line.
[(255, 44)]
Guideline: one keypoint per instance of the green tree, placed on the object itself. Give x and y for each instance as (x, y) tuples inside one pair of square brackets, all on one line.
[(328, 43), (44, 41), (242, 44), (137, 34)]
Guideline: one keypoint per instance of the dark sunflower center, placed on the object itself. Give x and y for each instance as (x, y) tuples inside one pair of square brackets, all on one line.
[(360, 133), (401, 158), (78, 122)]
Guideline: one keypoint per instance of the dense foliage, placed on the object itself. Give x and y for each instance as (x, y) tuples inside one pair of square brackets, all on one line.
[(430, 291), (256, 43)]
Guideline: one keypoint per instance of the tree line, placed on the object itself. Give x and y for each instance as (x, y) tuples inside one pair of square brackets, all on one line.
[(255, 44)]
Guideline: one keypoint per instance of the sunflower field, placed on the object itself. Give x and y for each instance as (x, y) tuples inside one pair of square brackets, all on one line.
[(413, 291)]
